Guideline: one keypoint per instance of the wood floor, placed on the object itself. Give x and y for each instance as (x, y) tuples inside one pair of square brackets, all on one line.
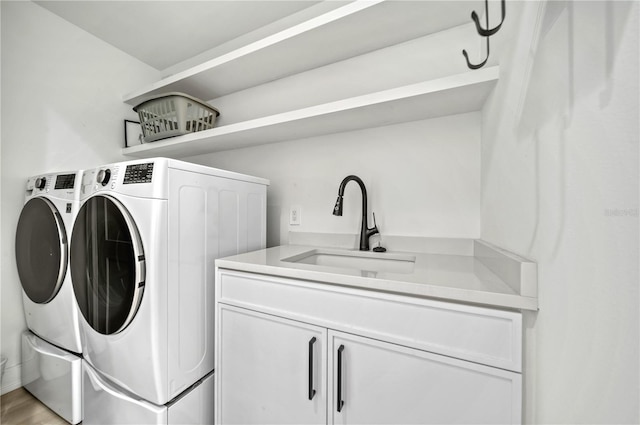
[(20, 407)]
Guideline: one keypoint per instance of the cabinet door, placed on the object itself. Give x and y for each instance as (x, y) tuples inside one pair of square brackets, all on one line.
[(269, 370), (374, 382)]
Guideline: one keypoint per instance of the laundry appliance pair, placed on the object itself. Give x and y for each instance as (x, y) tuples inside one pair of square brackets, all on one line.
[(142, 255)]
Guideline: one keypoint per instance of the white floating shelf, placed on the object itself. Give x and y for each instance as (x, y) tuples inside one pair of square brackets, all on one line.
[(450, 95), (348, 31)]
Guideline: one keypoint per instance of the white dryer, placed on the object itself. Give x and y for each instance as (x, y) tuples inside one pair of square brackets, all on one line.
[(142, 262), (50, 360)]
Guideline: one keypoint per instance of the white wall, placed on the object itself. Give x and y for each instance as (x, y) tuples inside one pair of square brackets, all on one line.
[(62, 110), (422, 178), (560, 185)]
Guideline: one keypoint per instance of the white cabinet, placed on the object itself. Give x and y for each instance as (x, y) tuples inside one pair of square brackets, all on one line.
[(422, 366), (377, 382), (272, 370)]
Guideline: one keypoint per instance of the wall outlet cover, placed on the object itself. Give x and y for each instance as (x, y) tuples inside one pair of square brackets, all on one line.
[(295, 215)]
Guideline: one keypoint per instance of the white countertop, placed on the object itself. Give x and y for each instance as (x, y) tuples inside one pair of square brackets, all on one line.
[(464, 278)]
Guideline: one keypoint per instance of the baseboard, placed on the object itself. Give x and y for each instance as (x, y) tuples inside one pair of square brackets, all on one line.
[(11, 380)]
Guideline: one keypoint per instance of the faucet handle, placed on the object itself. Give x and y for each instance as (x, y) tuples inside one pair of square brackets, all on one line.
[(374, 229)]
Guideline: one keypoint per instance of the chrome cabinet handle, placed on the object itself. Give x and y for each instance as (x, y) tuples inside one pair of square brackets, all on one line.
[(340, 401), (312, 391)]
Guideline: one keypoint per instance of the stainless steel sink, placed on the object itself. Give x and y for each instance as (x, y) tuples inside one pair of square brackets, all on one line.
[(357, 260)]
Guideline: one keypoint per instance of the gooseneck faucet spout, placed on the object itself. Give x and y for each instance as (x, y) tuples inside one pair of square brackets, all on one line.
[(365, 231)]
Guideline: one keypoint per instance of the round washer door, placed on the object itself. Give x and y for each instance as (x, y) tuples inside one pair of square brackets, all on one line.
[(107, 264), (41, 250)]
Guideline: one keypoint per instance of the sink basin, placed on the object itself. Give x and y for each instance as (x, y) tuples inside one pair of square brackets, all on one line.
[(357, 260)]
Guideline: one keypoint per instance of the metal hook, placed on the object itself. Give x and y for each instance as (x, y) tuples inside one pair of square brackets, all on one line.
[(488, 31), (481, 64), (474, 16)]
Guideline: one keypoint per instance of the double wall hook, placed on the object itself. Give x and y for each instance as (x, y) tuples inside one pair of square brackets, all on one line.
[(484, 32)]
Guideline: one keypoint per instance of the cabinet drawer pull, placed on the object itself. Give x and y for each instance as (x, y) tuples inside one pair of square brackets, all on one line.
[(340, 402), (312, 391)]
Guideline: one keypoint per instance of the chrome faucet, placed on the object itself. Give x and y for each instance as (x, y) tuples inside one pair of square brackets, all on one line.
[(365, 231)]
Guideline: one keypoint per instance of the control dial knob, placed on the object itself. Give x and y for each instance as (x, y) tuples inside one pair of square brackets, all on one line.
[(41, 182), (103, 176)]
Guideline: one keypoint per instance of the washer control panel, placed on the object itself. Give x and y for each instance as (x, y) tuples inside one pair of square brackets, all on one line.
[(138, 173), (65, 181), (59, 185), (39, 184), (99, 179), (128, 178)]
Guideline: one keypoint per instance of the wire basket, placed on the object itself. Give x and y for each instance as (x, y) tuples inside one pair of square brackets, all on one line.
[(174, 114)]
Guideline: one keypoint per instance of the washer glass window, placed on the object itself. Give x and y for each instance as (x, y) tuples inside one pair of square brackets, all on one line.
[(107, 264), (41, 250)]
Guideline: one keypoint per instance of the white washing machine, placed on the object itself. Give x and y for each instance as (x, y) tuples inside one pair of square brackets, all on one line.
[(142, 262), (42, 235), (42, 251)]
